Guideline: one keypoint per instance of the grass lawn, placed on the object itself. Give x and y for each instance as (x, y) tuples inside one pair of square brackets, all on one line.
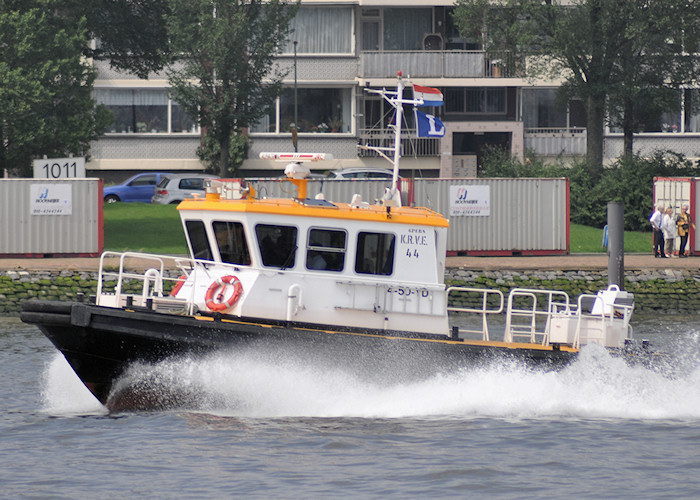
[(586, 239), (143, 227)]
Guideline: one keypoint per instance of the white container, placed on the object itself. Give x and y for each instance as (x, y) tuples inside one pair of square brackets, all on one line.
[(525, 216), (51, 217)]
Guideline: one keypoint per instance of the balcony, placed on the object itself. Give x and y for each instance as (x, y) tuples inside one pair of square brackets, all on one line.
[(437, 64), (410, 144), (556, 141)]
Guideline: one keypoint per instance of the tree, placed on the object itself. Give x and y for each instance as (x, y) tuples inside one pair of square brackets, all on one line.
[(45, 86), (657, 57), (130, 34), (224, 72), (602, 48)]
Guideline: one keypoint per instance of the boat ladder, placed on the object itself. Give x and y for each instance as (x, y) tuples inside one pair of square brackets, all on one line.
[(529, 313)]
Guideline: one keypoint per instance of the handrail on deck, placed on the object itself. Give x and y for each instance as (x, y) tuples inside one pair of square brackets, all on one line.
[(609, 312), (484, 311), (562, 305), (155, 272)]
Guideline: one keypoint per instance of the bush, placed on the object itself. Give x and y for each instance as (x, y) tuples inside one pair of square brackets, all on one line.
[(629, 181)]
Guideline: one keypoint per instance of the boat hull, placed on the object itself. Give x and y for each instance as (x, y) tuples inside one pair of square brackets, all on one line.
[(100, 343)]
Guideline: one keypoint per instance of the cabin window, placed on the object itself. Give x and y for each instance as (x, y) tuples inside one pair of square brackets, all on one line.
[(278, 245), (199, 242), (375, 253), (326, 250), (233, 246)]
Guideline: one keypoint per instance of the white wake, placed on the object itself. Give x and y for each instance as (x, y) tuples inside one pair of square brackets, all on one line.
[(596, 385)]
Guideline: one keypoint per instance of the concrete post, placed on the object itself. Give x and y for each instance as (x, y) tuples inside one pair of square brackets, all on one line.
[(616, 244)]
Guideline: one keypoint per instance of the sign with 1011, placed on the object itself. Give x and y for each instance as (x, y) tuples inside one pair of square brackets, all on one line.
[(59, 168)]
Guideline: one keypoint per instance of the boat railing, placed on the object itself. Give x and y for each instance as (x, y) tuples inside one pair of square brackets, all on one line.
[(491, 303), (140, 279), (529, 312), (600, 318)]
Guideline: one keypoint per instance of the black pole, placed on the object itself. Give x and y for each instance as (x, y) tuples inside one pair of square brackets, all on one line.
[(616, 244)]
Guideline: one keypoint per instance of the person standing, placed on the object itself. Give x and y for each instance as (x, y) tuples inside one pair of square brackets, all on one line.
[(668, 227), (656, 220), (683, 223)]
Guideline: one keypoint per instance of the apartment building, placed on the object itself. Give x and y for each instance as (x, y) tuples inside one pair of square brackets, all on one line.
[(342, 47)]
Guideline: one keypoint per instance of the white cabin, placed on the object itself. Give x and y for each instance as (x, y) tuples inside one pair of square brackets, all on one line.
[(312, 261)]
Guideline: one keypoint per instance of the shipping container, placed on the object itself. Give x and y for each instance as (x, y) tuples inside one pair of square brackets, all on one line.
[(487, 216), (674, 192), (51, 217), (500, 216)]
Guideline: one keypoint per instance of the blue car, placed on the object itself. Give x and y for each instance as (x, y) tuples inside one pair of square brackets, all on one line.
[(140, 187)]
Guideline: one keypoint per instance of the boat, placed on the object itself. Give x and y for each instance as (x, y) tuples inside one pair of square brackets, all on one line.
[(359, 285)]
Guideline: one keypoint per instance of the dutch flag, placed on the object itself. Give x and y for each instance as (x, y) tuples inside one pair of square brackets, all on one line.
[(430, 96)]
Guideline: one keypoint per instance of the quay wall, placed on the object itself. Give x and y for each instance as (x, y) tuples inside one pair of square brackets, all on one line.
[(656, 290)]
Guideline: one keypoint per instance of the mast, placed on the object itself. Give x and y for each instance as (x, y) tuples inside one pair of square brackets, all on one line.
[(398, 105), (395, 98)]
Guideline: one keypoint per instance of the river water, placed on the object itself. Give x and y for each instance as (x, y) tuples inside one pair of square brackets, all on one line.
[(597, 429)]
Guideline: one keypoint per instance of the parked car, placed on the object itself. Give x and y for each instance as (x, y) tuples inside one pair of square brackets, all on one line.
[(174, 188), (361, 173), (140, 187)]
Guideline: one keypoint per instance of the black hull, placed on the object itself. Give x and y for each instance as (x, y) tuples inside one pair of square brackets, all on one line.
[(100, 343)]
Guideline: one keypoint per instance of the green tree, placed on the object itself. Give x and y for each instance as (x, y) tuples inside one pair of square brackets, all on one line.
[(657, 55), (130, 34), (46, 106), (619, 49), (225, 72)]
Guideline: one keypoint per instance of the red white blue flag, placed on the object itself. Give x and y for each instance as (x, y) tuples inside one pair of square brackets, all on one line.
[(430, 96), (428, 125)]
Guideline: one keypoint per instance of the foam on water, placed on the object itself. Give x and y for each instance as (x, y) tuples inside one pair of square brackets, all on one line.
[(63, 392), (251, 384)]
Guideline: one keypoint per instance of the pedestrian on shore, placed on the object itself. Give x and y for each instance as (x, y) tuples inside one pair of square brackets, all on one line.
[(656, 220), (683, 223), (668, 227)]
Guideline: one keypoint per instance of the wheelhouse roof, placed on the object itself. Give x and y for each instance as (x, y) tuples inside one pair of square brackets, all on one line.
[(344, 211)]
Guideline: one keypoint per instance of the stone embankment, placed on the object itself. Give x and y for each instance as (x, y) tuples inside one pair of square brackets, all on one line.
[(655, 290), (671, 288)]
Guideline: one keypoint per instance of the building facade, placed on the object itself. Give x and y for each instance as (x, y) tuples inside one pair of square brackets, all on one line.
[(338, 49)]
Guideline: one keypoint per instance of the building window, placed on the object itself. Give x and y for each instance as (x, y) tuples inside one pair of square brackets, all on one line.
[(199, 242), (322, 30), (326, 250), (319, 110), (476, 100), (653, 116), (404, 28), (692, 110), (233, 247), (144, 111), (180, 120), (375, 253), (278, 245), (541, 110)]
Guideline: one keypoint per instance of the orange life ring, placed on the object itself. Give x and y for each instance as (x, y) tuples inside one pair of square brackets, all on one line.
[(180, 281), (220, 304)]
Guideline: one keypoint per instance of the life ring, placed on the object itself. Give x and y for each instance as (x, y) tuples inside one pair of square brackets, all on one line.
[(180, 281), (220, 304)]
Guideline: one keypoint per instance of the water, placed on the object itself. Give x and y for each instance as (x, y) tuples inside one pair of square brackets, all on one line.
[(598, 429)]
